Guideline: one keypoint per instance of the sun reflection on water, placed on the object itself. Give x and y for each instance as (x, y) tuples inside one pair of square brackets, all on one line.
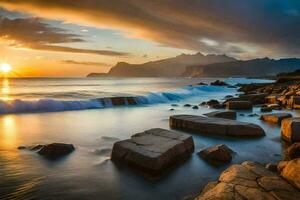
[(8, 133), (5, 90)]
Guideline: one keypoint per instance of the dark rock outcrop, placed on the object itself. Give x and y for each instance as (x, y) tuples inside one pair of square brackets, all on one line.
[(219, 83), (215, 126), (56, 150), (292, 152), (239, 105), (153, 151)]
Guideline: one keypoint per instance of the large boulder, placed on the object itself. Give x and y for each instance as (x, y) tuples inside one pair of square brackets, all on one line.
[(239, 105), (56, 150), (292, 152), (249, 181), (217, 154), (275, 118), (215, 126), (254, 98), (153, 151), (290, 170), (290, 129), (222, 114)]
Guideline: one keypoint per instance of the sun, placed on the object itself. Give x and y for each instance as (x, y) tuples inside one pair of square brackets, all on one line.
[(5, 67)]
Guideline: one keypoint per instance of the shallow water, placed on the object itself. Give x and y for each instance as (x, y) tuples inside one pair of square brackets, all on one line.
[(89, 174)]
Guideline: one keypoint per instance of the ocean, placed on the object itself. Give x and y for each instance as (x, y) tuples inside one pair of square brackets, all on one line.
[(81, 111)]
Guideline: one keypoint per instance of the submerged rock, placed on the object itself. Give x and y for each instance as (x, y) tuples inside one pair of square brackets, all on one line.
[(222, 114), (217, 154), (239, 105), (219, 83), (153, 151), (249, 181), (56, 150), (187, 105), (275, 118), (290, 129), (195, 107), (215, 126), (22, 147), (37, 147)]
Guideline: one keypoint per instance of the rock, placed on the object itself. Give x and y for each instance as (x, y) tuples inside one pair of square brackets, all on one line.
[(266, 109), (254, 98), (275, 118), (271, 167), (174, 105), (219, 83), (272, 99), (56, 150), (222, 114), (201, 83), (296, 104), (217, 154), (187, 105), (239, 105), (242, 114), (290, 170), (212, 102), (203, 104), (195, 107), (290, 129), (249, 181), (218, 106), (171, 109), (22, 147), (275, 106), (253, 115), (228, 96), (215, 126), (153, 151), (292, 152)]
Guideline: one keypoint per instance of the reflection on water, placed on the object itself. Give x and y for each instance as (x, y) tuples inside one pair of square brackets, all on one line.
[(8, 132), (5, 90)]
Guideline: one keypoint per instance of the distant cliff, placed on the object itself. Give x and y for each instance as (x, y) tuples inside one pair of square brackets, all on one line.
[(170, 67), (255, 67)]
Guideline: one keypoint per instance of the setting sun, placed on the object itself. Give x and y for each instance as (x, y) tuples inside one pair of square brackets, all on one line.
[(5, 67)]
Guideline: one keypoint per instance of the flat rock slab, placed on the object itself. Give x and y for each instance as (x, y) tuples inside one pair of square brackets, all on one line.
[(275, 117), (153, 151), (239, 105), (222, 114), (249, 181), (215, 126)]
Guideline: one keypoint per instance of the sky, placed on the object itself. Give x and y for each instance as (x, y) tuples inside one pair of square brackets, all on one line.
[(76, 37)]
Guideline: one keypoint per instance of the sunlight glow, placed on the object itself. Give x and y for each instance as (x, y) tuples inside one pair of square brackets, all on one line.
[(5, 67)]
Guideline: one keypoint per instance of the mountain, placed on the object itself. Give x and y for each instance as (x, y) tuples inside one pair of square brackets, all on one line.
[(170, 67), (254, 68)]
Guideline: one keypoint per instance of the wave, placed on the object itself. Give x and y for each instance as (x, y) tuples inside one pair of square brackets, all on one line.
[(52, 105)]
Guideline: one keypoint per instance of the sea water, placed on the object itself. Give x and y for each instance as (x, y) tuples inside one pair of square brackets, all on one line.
[(88, 173)]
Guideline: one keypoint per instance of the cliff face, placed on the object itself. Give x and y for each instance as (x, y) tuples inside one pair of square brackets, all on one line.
[(256, 67), (170, 67)]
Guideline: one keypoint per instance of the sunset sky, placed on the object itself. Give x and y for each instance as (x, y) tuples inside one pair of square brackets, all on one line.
[(76, 37)]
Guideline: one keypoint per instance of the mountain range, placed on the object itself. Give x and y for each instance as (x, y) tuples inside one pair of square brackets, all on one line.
[(199, 65)]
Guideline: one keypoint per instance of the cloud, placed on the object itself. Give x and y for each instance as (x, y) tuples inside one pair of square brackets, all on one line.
[(253, 27), (74, 62), (35, 34)]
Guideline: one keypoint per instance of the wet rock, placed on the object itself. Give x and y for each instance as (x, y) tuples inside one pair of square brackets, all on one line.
[(171, 109), (218, 106), (212, 102), (253, 115), (290, 170), (249, 181), (222, 114), (266, 109), (219, 83), (242, 114), (215, 126), (201, 83), (254, 98), (202, 104), (239, 105), (275, 118), (187, 105), (22, 147), (195, 107), (56, 150), (153, 151), (174, 105), (217, 154), (228, 96), (290, 129), (292, 152)]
